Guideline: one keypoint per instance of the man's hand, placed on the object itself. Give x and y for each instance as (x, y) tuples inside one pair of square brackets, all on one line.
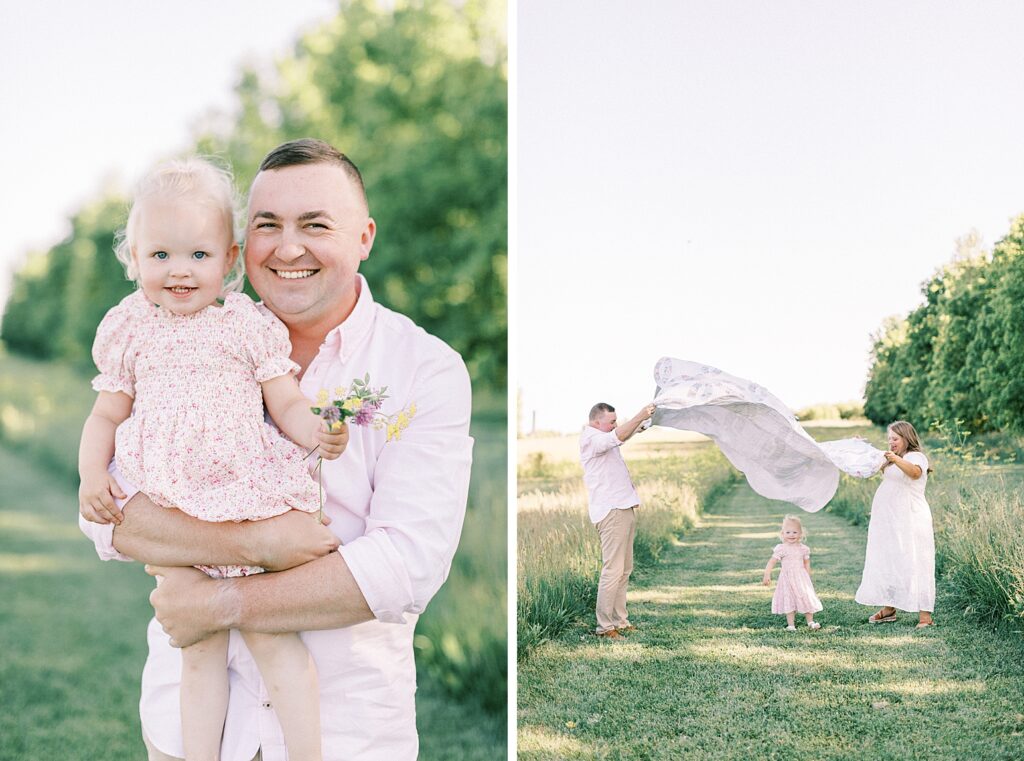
[(188, 603), (96, 498), (291, 539), (645, 413), (331, 439)]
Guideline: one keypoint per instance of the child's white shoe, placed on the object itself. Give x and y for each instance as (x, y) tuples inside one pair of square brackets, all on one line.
[(813, 625), (790, 628)]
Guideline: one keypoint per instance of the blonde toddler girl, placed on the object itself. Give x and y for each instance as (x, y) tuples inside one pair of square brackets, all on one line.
[(794, 591), (186, 366)]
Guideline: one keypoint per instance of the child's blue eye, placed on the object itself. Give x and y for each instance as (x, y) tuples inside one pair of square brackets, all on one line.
[(199, 254), (160, 255)]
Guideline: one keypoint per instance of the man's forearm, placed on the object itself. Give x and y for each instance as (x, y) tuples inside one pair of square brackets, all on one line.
[(321, 594), (168, 537), (162, 536), (625, 431)]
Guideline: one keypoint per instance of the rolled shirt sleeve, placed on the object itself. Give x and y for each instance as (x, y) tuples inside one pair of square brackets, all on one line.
[(102, 534), (421, 484)]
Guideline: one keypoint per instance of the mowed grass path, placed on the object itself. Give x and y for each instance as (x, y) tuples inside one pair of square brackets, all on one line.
[(73, 641), (712, 674)]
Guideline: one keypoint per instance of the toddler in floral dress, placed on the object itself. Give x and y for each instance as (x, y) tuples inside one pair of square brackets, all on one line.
[(794, 592), (182, 386)]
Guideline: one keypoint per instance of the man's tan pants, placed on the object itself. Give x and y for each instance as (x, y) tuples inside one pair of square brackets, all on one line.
[(616, 530)]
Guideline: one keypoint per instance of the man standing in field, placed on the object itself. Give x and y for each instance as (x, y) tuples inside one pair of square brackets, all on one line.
[(613, 503)]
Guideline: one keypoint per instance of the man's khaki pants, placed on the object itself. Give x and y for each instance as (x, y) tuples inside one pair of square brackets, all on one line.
[(616, 530)]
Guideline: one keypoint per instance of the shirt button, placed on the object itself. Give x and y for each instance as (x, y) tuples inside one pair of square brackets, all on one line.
[(266, 704)]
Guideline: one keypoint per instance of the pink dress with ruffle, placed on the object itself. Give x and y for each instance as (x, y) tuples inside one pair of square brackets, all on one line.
[(794, 590), (197, 439)]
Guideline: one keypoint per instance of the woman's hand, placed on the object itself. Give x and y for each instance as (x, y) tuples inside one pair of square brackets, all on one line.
[(892, 457)]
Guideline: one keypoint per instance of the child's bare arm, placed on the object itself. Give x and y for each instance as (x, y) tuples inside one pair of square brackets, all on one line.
[(98, 488), (291, 411), (807, 565), (768, 572)]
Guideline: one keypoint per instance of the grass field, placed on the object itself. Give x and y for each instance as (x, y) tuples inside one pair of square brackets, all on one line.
[(711, 674), (72, 629)]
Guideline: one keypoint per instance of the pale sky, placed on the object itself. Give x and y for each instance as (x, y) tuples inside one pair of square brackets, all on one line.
[(751, 185), (93, 93)]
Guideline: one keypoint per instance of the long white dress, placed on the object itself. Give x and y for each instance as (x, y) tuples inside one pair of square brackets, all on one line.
[(899, 566), (757, 433)]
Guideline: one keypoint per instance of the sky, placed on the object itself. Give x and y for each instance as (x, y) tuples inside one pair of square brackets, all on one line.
[(92, 94), (755, 186)]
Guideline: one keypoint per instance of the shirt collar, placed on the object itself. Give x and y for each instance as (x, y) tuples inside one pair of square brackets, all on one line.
[(350, 332)]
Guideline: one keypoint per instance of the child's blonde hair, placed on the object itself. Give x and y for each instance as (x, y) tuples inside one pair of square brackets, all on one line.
[(793, 519), (197, 175)]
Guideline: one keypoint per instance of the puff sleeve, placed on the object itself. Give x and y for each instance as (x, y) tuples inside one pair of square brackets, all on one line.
[(112, 350), (777, 552), (267, 343)]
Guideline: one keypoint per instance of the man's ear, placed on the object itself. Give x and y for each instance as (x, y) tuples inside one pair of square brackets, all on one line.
[(367, 238)]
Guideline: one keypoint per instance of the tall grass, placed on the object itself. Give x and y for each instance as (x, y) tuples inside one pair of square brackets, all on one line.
[(559, 555), (461, 640)]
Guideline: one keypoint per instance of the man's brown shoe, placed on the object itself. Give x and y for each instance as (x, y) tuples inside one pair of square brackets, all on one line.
[(610, 634), (627, 628)]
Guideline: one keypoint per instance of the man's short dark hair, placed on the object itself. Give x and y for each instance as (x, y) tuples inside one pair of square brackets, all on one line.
[(309, 150), (598, 409)]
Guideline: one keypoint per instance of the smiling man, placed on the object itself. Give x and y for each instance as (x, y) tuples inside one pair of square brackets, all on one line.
[(395, 503)]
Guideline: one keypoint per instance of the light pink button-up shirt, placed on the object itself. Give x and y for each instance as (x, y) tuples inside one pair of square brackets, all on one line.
[(605, 473), (397, 507)]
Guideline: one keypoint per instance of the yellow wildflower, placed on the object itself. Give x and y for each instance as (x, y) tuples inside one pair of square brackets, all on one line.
[(321, 397), (353, 404)]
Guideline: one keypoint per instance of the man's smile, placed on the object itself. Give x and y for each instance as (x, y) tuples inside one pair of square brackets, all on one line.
[(294, 274)]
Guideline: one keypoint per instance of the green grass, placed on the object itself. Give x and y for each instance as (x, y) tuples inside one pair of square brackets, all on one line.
[(72, 629), (711, 673)]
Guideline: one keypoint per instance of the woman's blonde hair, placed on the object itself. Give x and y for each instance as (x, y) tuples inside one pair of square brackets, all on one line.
[(793, 519), (177, 178), (908, 433)]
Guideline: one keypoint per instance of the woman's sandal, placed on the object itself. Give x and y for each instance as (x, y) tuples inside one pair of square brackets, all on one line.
[(878, 618), (925, 624)]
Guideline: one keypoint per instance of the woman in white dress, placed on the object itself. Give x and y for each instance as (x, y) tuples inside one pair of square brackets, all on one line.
[(899, 566)]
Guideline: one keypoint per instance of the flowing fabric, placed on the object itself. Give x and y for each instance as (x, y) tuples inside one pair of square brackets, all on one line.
[(758, 434)]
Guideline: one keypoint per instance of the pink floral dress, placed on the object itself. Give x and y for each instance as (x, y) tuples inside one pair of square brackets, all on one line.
[(196, 439), (794, 590)]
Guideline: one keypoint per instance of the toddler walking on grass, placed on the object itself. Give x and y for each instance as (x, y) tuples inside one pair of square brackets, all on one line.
[(794, 592)]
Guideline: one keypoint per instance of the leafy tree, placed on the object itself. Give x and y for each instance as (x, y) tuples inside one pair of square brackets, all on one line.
[(958, 356)]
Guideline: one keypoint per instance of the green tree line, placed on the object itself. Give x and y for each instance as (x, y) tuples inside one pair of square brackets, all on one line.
[(959, 355), (416, 95)]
